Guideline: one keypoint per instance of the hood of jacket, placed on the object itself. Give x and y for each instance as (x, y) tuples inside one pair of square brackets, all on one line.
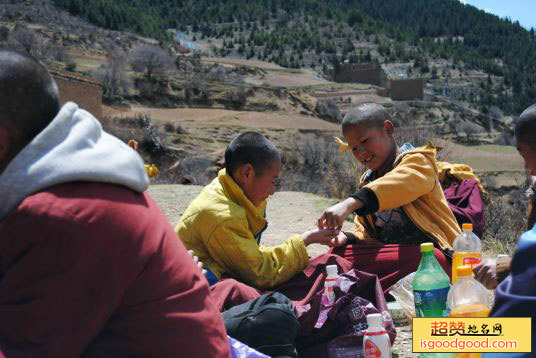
[(73, 147)]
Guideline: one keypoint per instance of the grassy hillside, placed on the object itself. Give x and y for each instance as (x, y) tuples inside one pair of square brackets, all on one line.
[(298, 33)]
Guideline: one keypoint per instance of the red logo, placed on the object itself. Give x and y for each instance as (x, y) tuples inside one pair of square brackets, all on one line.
[(471, 260), (372, 351)]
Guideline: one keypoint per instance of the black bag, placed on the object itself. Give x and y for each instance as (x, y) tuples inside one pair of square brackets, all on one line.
[(267, 324)]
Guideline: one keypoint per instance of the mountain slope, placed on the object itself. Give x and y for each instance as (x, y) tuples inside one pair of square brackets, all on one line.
[(286, 31)]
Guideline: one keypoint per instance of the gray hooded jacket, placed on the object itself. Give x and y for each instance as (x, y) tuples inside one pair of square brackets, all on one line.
[(73, 147)]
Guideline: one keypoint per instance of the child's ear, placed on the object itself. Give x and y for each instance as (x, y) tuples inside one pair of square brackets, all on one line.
[(389, 127), (245, 172), (248, 171)]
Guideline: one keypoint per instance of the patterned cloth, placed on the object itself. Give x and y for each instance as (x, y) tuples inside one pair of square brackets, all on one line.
[(394, 226)]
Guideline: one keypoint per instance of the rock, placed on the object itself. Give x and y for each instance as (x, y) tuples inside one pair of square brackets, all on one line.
[(435, 113)]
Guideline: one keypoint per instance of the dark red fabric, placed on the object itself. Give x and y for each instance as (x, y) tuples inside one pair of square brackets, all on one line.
[(389, 262), (466, 203), (305, 290), (229, 293), (95, 270)]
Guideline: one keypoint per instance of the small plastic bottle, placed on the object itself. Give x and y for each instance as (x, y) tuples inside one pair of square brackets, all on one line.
[(467, 250), (468, 298), (376, 343), (328, 297), (329, 283)]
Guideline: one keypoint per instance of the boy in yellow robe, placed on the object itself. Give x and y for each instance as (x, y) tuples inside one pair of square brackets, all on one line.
[(400, 203), (224, 224)]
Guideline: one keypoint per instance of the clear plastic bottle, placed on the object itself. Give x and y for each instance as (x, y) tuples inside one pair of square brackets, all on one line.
[(376, 343), (328, 297), (468, 298), (467, 250), (329, 283), (431, 285)]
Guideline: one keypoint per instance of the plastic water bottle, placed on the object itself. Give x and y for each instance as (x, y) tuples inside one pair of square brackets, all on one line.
[(431, 286), (468, 298), (467, 250), (329, 283), (328, 297), (376, 343)]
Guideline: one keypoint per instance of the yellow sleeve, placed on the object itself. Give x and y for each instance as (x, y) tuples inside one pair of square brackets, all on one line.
[(412, 178), (233, 246)]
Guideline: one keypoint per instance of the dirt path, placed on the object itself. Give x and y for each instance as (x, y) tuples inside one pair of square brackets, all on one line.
[(288, 213)]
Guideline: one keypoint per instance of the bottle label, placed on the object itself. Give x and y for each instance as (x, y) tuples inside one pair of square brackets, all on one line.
[(330, 294), (431, 303), (372, 350), (471, 260)]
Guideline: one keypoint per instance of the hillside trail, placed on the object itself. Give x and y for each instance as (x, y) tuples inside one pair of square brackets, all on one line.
[(288, 213)]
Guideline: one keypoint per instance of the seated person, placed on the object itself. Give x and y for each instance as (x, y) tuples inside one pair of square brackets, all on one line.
[(491, 272), (516, 295), (400, 203), (89, 265), (224, 224)]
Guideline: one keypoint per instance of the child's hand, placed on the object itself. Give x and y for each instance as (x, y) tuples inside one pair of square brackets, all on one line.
[(334, 216), (340, 240), (197, 262), (486, 273), (319, 236)]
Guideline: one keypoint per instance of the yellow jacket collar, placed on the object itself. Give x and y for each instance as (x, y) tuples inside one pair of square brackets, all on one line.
[(255, 215)]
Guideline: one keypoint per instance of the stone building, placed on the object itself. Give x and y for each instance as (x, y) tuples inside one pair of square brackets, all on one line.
[(81, 90), (407, 89), (370, 73)]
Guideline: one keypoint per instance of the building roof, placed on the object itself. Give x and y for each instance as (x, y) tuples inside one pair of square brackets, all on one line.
[(60, 72)]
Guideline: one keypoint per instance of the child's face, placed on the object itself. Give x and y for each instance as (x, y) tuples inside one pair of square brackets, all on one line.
[(259, 187), (529, 156), (371, 146)]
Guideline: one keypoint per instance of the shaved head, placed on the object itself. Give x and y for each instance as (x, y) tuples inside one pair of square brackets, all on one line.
[(371, 114), (525, 129), (29, 98), (251, 148)]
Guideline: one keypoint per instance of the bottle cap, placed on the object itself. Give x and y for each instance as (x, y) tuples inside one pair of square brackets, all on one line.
[(467, 227), (464, 270), (427, 247), (375, 322), (332, 270)]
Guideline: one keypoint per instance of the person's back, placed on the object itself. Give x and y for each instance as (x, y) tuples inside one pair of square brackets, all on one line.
[(89, 266), (112, 279)]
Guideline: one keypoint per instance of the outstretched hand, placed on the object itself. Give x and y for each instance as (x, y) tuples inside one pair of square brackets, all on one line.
[(340, 240), (319, 236), (334, 216)]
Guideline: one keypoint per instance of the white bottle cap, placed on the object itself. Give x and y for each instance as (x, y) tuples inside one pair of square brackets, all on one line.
[(375, 322), (332, 270)]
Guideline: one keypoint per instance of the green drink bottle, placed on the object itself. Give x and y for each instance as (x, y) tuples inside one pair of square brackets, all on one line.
[(430, 290)]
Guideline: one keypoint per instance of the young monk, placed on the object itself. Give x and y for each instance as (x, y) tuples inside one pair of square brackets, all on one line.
[(400, 203), (224, 224), (516, 295)]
